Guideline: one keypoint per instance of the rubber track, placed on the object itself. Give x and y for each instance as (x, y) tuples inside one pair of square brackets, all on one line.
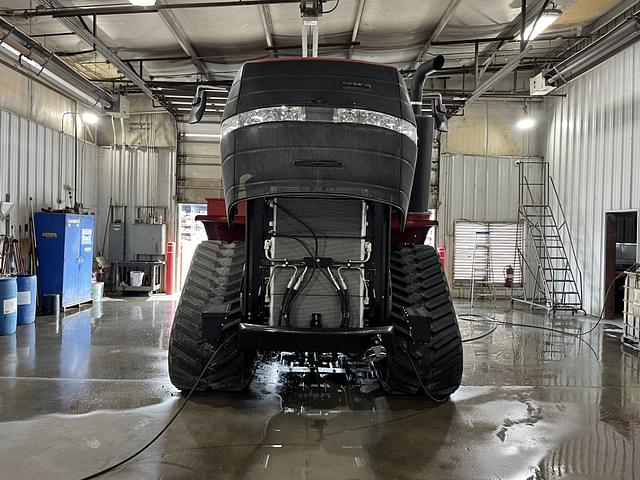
[(215, 276), (420, 287)]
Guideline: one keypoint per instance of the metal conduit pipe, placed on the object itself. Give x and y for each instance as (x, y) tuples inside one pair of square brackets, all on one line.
[(61, 11), (589, 57), (30, 55)]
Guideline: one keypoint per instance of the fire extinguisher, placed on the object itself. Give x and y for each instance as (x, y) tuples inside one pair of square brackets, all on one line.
[(442, 253), (508, 276)]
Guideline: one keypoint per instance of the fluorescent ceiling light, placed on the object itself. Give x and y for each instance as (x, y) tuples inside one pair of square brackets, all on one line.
[(42, 71), (547, 18), (143, 3), (89, 118), (204, 135), (525, 123)]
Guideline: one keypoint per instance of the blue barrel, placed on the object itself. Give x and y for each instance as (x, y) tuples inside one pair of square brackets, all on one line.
[(27, 293), (8, 305)]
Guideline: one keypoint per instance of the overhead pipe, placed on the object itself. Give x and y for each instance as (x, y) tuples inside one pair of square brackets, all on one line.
[(591, 56), (33, 57), (61, 11)]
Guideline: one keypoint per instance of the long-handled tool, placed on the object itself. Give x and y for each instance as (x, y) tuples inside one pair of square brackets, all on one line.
[(35, 265)]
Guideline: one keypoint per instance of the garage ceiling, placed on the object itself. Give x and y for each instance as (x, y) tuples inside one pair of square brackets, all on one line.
[(179, 43)]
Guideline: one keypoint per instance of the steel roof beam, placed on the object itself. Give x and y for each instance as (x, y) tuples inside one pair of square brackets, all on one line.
[(499, 75), (267, 26), (76, 26), (512, 65), (511, 31), (442, 23), (356, 26), (181, 37), (60, 11), (29, 49)]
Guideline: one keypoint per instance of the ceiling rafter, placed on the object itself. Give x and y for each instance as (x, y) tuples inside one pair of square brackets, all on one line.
[(267, 27), (61, 11), (171, 22), (356, 26), (442, 23), (76, 26)]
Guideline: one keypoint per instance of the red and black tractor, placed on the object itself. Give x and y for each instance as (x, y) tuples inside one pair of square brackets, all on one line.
[(319, 246)]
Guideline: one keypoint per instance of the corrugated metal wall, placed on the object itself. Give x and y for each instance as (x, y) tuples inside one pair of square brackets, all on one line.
[(475, 188), (593, 143), (134, 177), (38, 162)]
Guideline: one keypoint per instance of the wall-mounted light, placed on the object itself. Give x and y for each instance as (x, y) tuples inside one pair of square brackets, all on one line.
[(526, 123), (89, 118), (546, 19), (143, 3)]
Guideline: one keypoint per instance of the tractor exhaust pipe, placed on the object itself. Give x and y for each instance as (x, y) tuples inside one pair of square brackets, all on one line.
[(419, 201), (419, 77)]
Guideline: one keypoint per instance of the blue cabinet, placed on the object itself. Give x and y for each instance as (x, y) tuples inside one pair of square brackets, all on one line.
[(65, 255)]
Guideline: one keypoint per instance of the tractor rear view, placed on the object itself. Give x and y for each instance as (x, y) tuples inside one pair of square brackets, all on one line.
[(325, 168)]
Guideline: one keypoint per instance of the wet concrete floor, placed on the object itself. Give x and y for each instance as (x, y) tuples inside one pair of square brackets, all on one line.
[(83, 392)]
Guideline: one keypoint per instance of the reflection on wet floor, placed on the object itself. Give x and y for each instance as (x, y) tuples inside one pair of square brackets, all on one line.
[(81, 392)]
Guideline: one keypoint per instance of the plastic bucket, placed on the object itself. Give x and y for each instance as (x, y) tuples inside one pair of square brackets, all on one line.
[(51, 304), (8, 305), (135, 278), (27, 292), (97, 289)]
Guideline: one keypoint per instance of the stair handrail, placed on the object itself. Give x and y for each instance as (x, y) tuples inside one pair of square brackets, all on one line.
[(565, 225), (541, 260)]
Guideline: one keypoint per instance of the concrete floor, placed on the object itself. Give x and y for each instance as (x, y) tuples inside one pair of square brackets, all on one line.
[(81, 393)]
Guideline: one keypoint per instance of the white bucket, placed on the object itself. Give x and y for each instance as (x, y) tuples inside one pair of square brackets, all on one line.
[(135, 278), (97, 290)]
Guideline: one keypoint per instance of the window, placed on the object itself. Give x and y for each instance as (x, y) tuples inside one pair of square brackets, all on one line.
[(502, 239)]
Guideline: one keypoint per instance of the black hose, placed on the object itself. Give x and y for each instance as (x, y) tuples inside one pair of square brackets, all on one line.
[(315, 256), (283, 313), (173, 417)]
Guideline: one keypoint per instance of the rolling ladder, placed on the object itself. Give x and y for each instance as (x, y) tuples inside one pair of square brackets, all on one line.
[(555, 279), (481, 269)]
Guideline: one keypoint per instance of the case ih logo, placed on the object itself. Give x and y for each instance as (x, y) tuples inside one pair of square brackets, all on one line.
[(350, 84)]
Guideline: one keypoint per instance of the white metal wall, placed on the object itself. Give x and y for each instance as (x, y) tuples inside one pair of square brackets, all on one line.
[(134, 177), (489, 127), (38, 162), (593, 148), (475, 188)]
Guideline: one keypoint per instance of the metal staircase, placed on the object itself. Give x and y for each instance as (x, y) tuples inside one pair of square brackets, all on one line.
[(548, 257)]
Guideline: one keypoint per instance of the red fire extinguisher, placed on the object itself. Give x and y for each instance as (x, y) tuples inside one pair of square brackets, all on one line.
[(442, 253), (508, 276)]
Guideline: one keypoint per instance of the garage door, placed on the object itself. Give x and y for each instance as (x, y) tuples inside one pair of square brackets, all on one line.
[(198, 162)]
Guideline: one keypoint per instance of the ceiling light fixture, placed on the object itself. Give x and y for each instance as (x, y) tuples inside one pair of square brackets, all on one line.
[(535, 28), (203, 135), (40, 70), (143, 3), (525, 123)]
